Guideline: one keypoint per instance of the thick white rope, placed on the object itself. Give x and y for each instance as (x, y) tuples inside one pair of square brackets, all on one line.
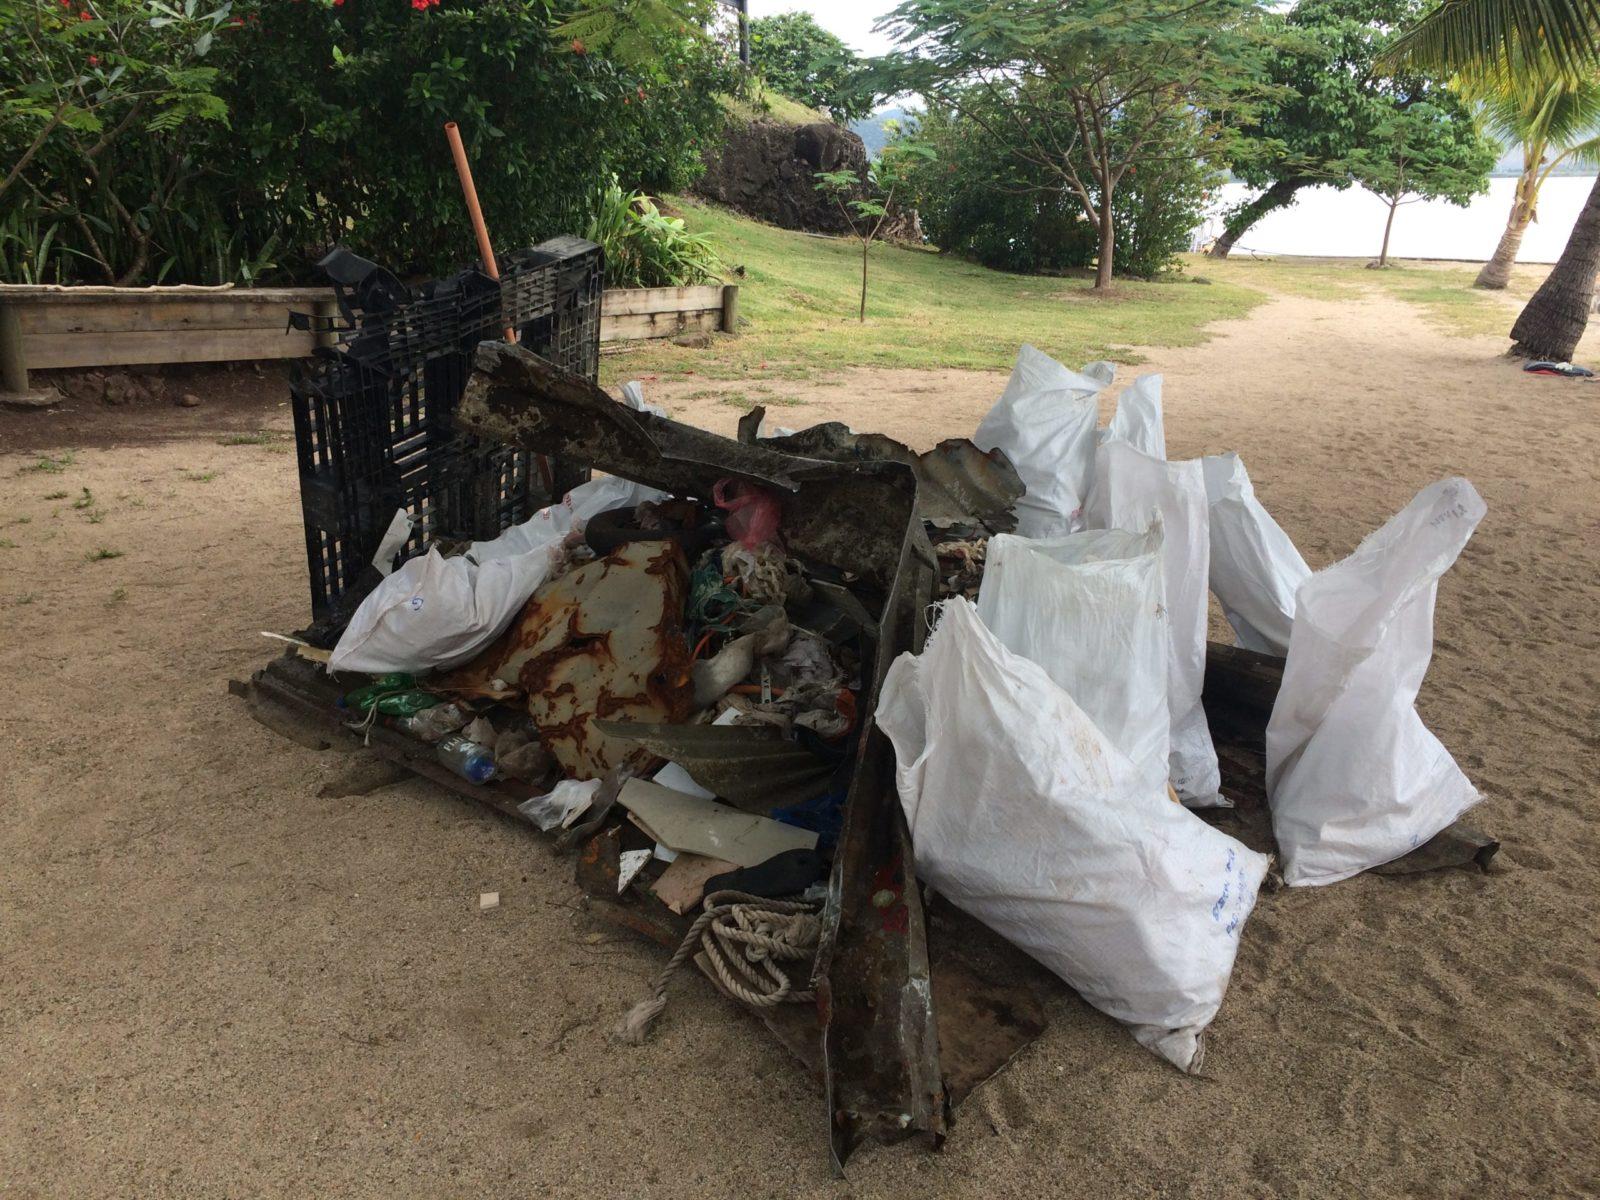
[(744, 939)]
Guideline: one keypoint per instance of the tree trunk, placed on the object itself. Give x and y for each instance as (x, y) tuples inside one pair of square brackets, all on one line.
[(1496, 272), (1108, 244), (1388, 227), (1556, 317), (862, 315), (1280, 195)]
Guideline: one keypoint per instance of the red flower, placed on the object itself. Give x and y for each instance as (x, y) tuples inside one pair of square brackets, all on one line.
[(577, 46), (94, 60), (86, 15), (641, 93)]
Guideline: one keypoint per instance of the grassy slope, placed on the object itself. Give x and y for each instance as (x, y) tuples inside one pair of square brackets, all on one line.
[(799, 296), (765, 105)]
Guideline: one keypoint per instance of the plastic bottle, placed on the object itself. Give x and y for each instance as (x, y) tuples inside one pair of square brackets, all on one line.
[(433, 723), (471, 760)]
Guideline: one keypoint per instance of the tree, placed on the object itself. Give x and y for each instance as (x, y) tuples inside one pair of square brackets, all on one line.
[(1552, 322), (1467, 35), (1552, 119), (803, 61), (1330, 89), (867, 214), (1084, 90), (1428, 151), (1562, 37)]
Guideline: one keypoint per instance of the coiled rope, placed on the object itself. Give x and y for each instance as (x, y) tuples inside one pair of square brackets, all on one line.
[(744, 939)]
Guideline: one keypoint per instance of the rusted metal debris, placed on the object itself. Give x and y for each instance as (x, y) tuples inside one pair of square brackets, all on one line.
[(754, 768), (604, 641), (916, 1007), (856, 523), (957, 484)]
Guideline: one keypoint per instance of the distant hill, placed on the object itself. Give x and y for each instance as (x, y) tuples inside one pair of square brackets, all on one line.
[(870, 129)]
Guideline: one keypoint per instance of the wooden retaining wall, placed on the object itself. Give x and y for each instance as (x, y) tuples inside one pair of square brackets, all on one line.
[(45, 327), (667, 312)]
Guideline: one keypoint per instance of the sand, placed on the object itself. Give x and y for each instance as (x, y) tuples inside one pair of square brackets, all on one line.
[(216, 982)]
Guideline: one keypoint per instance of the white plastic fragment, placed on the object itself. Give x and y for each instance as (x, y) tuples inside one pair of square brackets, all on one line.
[(1130, 488), (1255, 568), (629, 864), (1354, 777), (633, 397), (1026, 817), (1089, 609), (563, 805), (488, 900), (393, 538), (1045, 421)]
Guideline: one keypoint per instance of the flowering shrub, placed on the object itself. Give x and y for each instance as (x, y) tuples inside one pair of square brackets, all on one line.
[(248, 138)]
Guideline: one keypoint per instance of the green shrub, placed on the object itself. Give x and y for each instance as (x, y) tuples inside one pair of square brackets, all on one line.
[(643, 246), (268, 132)]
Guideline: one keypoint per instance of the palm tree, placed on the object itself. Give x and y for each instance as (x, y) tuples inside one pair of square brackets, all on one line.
[(1564, 36), (1467, 35), (1549, 119)]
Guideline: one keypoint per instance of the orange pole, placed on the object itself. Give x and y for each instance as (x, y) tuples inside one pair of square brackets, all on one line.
[(452, 134)]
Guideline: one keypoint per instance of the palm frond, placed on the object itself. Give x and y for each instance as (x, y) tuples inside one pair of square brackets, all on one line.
[(1464, 35)]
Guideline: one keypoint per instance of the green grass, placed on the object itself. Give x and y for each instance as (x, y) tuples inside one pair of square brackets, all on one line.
[(7, 544), (201, 476), (101, 554), (264, 437), (56, 496), (46, 465), (765, 105), (84, 501), (798, 299)]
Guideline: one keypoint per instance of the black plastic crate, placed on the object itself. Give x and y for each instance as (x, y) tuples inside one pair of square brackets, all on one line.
[(373, 414)]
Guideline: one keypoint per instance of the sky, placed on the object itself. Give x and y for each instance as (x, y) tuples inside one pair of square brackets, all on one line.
[(850, 20)]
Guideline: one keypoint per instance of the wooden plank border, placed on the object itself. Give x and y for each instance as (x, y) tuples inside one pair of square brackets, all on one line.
[(45, 327)]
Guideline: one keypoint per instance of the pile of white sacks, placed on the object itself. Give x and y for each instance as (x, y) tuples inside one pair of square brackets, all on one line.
[(1037, 733)]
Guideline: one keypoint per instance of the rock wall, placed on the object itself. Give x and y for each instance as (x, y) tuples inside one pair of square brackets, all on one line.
[(767, 170)]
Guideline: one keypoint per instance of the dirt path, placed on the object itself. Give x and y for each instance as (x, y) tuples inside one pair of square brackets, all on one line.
[(215, 982)]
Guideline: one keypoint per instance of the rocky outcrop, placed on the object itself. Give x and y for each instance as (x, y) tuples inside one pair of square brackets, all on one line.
[(767, 170)]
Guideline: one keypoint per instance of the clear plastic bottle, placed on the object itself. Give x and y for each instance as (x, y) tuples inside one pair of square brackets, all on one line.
[(433, 723), (471, 760)]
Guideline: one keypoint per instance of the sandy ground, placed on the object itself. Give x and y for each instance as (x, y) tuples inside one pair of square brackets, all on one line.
[(216, 982)]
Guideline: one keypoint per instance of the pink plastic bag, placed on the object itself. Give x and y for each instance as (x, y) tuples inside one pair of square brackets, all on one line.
[(752, 513)]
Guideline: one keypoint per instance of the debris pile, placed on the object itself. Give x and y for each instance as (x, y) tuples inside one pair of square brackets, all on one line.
[(705, 673)]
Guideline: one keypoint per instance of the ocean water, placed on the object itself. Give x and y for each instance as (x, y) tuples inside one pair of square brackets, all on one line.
[(1349, 224)]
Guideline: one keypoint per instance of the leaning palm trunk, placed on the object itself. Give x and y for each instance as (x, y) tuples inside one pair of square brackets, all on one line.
[(1496, 272), (1558, 313)]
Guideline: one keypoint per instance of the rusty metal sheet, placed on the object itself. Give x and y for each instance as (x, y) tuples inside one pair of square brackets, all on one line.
[(859, 519), (848, 515), (956, 482), (754, 768), (604, 641)]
